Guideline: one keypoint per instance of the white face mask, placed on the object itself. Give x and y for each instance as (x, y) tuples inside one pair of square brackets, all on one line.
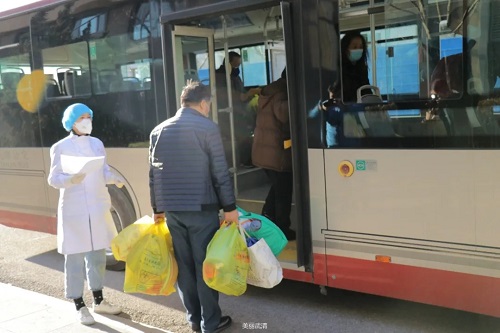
[(84, 126)]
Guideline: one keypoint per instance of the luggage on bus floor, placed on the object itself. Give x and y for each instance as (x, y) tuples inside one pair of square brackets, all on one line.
[(273, 235)]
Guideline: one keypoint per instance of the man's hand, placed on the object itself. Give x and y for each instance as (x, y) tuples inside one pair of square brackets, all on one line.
[(254, 91), (159, 218), (231, 216)]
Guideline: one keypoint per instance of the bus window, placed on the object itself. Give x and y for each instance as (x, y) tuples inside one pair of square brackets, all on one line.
[(435, 71), (89, 25), (18, 128), (397, 61), (95, 54), (142, 24), (253, 65), (75, 79)]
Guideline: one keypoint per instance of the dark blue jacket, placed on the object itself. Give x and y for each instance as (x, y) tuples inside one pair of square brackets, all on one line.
[(188, 168)]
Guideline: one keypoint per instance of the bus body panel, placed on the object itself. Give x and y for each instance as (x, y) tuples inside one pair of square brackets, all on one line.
[(23, 180), (441, 287), (434, 195)]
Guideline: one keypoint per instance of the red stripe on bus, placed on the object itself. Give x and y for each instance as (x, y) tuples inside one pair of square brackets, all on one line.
[(291, 274), (319, 268), (461, 291), (29, 221)]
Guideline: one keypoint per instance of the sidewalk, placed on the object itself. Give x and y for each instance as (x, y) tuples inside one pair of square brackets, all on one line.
[(24, 311)]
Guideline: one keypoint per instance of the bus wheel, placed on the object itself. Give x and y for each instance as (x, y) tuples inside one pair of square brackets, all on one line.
[(123, 213)]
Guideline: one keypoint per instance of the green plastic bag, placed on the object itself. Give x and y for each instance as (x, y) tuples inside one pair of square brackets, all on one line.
[(226, 265), (274, 237)]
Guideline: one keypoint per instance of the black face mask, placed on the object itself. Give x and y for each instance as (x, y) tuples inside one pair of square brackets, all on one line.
[(235, 72)]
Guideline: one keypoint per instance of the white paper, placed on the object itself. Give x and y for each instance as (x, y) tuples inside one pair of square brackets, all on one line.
[(73, 165)]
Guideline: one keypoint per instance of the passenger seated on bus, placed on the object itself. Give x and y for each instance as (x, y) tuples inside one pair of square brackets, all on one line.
[(272, 151), (244, 121), (354, 67)]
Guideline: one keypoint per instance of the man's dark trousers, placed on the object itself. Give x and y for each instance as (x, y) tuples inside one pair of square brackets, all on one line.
[(191, 232)]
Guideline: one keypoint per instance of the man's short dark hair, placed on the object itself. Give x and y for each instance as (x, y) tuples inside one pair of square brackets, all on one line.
[(194, 92), (233, 55)]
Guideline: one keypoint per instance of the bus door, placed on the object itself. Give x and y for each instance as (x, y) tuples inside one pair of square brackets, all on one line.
[(198, 45), (193, 56)]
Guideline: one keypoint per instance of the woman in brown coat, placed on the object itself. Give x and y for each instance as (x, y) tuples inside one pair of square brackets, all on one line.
[(272, 151)]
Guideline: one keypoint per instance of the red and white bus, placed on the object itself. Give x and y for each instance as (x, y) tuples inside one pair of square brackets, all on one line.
[(399, 199)]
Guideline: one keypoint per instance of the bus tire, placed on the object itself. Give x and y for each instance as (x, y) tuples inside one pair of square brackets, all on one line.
[(123, 213)]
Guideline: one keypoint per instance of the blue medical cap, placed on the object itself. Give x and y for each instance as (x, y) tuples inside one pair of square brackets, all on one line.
[(72, 113)]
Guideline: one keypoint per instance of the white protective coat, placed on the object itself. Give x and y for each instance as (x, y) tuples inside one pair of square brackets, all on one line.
[(84, 221)]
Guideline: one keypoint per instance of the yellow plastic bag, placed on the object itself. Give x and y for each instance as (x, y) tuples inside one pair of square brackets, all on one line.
[(128, 237), (226, 265), (151, 267)]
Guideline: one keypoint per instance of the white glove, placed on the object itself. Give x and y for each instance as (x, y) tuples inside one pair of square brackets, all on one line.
[(77, 179)]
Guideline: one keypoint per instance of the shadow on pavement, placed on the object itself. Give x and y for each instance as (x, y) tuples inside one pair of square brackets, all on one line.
[(113, 280), (125, 320)]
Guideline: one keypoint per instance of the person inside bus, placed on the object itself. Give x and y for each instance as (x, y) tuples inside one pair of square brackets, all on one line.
[(354, 67), (272, 152), (333, 118), (244, 121), (85, 226)]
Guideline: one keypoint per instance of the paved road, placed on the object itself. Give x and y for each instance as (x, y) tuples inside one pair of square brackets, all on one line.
[(29, 260)]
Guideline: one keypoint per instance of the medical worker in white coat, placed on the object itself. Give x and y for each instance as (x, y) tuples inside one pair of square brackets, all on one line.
[(85, 226)]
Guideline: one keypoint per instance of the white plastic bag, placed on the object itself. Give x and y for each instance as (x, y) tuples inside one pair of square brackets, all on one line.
[(265, 270)]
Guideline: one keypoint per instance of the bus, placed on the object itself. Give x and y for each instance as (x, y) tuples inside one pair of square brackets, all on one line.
[(402, 202)]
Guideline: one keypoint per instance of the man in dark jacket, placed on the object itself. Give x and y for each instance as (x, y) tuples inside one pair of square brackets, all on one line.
[(189, 182), (272, 151)]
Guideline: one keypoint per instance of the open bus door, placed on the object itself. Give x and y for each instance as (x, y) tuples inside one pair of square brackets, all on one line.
[(189, 53), (194, 59), (187, 44)]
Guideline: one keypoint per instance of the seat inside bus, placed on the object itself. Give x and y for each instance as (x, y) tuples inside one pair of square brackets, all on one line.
[(374, 123)]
